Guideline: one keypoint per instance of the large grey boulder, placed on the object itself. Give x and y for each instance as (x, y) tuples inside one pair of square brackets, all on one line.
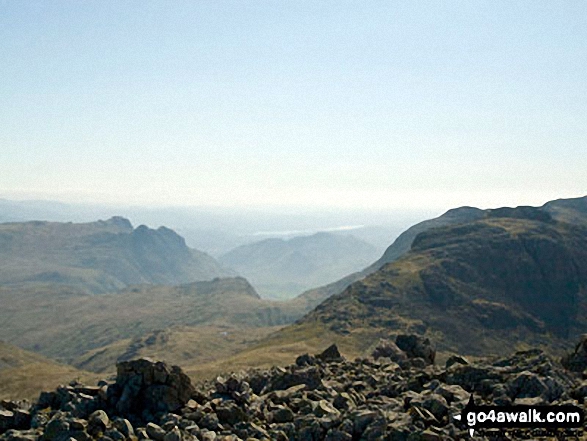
[(144, 385)]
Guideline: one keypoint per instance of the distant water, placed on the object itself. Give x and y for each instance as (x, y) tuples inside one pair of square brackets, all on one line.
[(286, 233)]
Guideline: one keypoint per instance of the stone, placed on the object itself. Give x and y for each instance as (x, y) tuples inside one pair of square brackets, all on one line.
[(416, 346), (124, 426), (308, 376), (173, 435), (361, 419), (526, 385), (577, 360), (305, 360), (390, 350), (429, 435), (437, 405), (343, 401), (155, 432), (230, 413), (330, 354), (7, 420), (208, 435), (55, 428), (453, 359), (114, 435), (452, 392), (324, 408), (338, 435), (282, 415), (98, 422), (151, 386), (78, 424)]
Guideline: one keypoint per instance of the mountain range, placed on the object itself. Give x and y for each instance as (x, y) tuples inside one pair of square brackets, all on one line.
[(507, 278), (281, 268), (99, 257), (477, 281)]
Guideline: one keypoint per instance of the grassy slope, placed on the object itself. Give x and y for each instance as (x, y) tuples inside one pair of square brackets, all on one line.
[(23, 375), (64, 325), (181, 345)]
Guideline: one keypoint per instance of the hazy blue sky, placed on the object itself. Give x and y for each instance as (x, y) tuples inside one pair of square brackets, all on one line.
[(367, 104)]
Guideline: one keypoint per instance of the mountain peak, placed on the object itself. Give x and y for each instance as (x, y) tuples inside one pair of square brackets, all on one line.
[(120, 222)]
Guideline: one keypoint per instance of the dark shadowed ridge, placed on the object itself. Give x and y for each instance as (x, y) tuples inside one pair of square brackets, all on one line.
[(399, 247), (513, 276), (572, 210)]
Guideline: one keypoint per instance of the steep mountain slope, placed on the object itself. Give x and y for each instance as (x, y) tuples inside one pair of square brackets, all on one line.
[(24, 374), (515, 277), (283, 268), (64, 324), (572, 210), (399, 247), (99, 257), (568, 210)]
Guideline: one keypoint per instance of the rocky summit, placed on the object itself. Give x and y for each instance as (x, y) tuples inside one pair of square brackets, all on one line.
[(397, 394)]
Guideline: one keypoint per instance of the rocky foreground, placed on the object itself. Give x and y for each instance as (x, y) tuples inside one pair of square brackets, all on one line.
[(397, 394)]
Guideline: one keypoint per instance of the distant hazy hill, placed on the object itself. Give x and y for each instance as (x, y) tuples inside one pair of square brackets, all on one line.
[(25, 374), (283, 268), (64, 324), (101, 256)]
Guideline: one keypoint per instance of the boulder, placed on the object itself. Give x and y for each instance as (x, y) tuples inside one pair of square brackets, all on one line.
[(388, 349), (145, 385), (526, 385), (331, 353), (416, 346), (576, 361)]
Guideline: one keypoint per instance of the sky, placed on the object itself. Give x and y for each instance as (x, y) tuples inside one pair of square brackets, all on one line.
[(330, 104)]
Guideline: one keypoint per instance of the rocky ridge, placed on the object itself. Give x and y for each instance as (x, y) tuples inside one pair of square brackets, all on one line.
[(397, 394)]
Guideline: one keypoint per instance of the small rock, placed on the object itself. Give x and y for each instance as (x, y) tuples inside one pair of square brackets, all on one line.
[(98, 422), (330, 354), (526, 385), (230, 413), (124, 426), (155, 432), (306, 360), (55, 428), (453, 359), (577, 360), (282, 415), (173, 435)]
